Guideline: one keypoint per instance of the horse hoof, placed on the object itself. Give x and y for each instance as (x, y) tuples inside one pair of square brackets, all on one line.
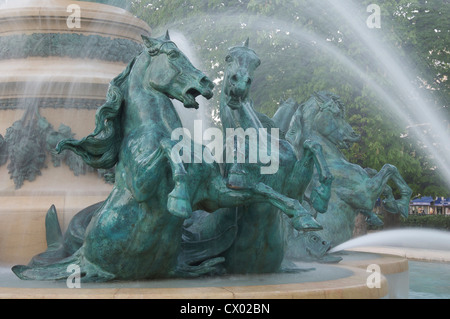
[(236, 181), (178, 203), (404, 212), (374, 221), (391, 206), (179, 207), (320, 196), (306, 223)]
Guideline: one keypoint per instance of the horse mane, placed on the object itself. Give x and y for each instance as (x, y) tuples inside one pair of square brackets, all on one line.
[(100, 149), (268, 123), (300, 127)]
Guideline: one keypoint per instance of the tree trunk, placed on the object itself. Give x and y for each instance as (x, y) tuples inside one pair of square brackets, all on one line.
[(360, 226)]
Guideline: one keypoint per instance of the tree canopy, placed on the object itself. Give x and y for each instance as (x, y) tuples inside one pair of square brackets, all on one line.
[(311, 45)]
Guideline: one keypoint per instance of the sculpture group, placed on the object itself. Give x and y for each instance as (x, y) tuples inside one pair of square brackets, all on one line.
[(166, 217)]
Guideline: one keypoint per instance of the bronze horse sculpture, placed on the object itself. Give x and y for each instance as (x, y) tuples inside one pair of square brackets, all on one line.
[(257, 230), (354, 190), (136, 232)]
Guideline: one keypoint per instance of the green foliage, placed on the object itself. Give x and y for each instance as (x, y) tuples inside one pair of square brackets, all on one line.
[(440, 222), (308, 45), (427, 221)]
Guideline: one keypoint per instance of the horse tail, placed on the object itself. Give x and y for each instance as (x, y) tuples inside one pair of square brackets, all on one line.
[(74, 265), (100, 149), (55, 271), (42, 266), (294, 133)]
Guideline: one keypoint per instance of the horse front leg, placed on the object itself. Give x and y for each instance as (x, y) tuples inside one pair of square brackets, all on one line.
[(178, 201), (146, 167), (320, 195), (402, 203), (301, 219), (378, 184), (226, 197)]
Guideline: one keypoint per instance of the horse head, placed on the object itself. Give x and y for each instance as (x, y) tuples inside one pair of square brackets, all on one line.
[(241, 64), (170, 72), (323, 114), (330, 121)]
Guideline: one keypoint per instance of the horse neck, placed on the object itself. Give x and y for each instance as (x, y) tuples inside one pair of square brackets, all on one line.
[(244, 117), (145, 105), (329, 149), (225, 113)]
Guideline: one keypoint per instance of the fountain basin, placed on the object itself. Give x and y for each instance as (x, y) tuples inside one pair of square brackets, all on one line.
[(343, 283), (27, 17), (346, 280)]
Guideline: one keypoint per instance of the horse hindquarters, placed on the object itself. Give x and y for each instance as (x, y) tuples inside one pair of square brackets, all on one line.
[(259, 245), (133, 240)]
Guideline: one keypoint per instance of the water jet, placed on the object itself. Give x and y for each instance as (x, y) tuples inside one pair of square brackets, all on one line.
[(87, 189)]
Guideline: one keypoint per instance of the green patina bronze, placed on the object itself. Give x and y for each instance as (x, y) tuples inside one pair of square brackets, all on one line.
[(177, 214), (68, 45), (354, 189), (136, 232), (253, 236), (27, 143), (26, 136)]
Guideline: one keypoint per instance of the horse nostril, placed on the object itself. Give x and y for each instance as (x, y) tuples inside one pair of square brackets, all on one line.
[(204, 81), (356, 136), (234, 79)]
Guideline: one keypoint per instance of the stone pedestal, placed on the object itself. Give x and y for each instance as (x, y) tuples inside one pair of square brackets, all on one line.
[(57, 57)]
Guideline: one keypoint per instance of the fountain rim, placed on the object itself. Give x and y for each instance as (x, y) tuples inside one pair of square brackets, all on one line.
[(96, 19), (351, 287)]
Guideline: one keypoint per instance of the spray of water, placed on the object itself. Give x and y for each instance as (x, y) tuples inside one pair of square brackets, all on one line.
[(402, 100), (419, 110), (421, 238), (188, 116)]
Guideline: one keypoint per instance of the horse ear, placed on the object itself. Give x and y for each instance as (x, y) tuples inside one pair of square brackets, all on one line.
[(295, 130), (319, 100), (246, 42), (149, 42), (317, 96), (167, 35)]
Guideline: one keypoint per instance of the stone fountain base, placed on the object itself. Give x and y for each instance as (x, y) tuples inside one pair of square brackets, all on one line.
[(22, 235), (346, 280)]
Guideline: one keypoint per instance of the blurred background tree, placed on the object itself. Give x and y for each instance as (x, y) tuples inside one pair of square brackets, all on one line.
[(307, 46)]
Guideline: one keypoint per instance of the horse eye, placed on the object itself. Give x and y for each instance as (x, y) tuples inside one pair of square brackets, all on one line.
[(153, 52), (228, 58), (173, 54)]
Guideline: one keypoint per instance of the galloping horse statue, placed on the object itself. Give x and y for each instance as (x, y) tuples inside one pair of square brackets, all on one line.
[(354, 190), (136, 232), (258, 232)]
